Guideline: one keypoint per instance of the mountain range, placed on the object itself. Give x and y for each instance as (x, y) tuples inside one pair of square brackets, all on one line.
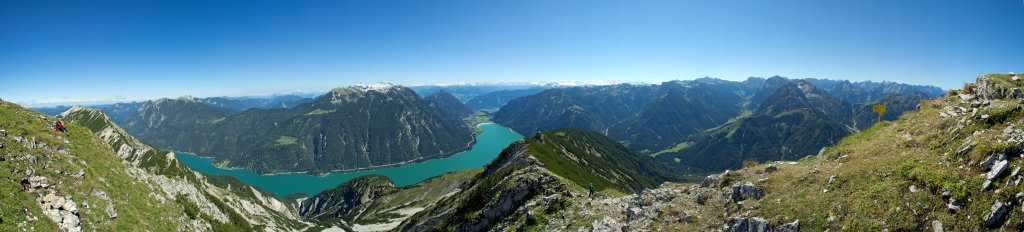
[(947, 164), (695, 122), (348, 128)]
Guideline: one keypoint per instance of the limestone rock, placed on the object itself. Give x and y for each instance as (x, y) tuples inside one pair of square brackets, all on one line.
[(606, 224), (994, 219), (111, 212), (711, 181), (998, 169), (760, 225), (35, 182), (966, 148), (746, 191), (986, 164), (748, 224), (788, 227), (953, 205)]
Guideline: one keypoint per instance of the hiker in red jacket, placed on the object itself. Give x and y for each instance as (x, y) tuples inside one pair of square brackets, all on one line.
[(60, 127)]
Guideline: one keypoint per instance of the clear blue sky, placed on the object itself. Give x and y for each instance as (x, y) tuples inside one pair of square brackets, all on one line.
[(91, 50)]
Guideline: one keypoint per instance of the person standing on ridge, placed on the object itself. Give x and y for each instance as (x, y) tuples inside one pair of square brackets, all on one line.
[(590, 187)]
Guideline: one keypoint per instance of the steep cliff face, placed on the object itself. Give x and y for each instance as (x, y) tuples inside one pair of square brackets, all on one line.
[(346, 201), (373, 203)]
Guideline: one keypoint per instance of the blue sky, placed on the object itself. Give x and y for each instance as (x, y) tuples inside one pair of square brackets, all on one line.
[(99, 50)]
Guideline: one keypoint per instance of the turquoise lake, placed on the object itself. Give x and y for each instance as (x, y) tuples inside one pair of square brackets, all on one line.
[(488, 145)]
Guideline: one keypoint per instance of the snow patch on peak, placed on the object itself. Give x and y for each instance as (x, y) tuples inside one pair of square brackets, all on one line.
[(808, 89), (379, 86), (188, 98)]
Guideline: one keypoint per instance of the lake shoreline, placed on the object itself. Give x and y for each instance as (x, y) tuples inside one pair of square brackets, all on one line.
[(487, 146), (468, 147)]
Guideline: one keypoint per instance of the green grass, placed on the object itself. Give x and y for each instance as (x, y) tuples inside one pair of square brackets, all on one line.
[(476, 119), (104, 171), (876, 167), (224, 164), (286, 140), (319, 111), (556, 163), (678, 147)]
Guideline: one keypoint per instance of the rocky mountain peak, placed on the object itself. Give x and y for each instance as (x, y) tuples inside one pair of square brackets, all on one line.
[(188, 98), (379, 86)]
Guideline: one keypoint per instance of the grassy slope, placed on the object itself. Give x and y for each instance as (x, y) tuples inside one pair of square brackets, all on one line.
[(156, 162), (103, 171), (875, 168)]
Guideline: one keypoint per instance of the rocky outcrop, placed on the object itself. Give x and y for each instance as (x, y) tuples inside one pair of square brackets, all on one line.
[(62, 209), (746, 191), (347, 201), (997, 170), (987, 89), (997, 215), (711, 180), (757, 224)]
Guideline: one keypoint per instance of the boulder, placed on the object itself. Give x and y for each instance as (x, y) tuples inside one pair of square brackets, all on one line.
[(35, 182), (3, 133), (746, 191), (936, 226), (788, 227), (748, 224), (953, 205), (771, 169), (760, 225), (69, 205), (966, 148), (701, 198), (998, 169), (711, 181), (69, 222), (995, 217), (986, 164), (606, 224), (111, 212), (988, 89), (1016, 93)]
